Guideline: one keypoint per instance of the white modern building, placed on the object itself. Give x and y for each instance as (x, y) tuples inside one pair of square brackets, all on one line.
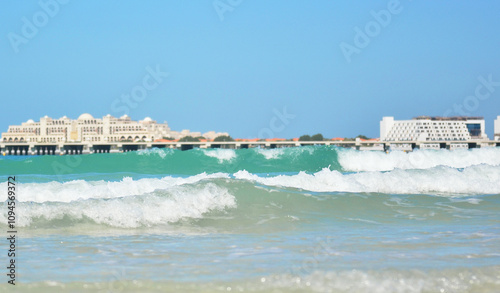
[(428, 129), (497, 129), (94, 130)]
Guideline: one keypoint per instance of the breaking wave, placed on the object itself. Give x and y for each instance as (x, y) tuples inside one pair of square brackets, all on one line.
[(284, 160), (481, 179), (160, 207), (248, 201), (356, 161)]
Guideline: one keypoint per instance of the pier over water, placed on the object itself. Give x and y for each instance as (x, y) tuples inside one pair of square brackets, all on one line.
[(25, 148)]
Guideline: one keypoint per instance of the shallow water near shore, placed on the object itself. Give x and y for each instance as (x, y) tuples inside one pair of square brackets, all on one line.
[(308, 219)]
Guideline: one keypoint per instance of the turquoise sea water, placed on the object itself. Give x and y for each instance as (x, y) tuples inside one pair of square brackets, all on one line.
[(308, 219)]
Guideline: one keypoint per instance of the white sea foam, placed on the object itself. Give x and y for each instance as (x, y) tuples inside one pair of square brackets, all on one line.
[(292, 153), (80, 189), (160, 207), (352, 160), (221, 154), (482, 179), (270, 154), (162, 153)]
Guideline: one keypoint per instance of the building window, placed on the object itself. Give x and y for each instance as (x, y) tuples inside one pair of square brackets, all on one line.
[(474, 129)]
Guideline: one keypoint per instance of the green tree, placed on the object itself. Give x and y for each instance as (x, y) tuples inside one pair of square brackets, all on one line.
[(362, 136), (223, 138), (317, 137), (305, 137)]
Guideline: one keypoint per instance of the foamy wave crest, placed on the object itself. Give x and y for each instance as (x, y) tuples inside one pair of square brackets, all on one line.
[(221, 154), (270, 154), (352, 160), (481, 179), (80, 189), (292, 153), (162, 153), (159, 207)]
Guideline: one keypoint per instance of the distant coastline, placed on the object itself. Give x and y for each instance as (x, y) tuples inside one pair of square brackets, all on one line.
[(358, 143), (87, 135)]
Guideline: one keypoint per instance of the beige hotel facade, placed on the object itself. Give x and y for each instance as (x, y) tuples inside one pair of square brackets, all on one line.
[(87, 129)]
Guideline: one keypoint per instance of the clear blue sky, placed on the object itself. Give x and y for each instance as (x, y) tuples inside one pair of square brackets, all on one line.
[(229, 70)]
